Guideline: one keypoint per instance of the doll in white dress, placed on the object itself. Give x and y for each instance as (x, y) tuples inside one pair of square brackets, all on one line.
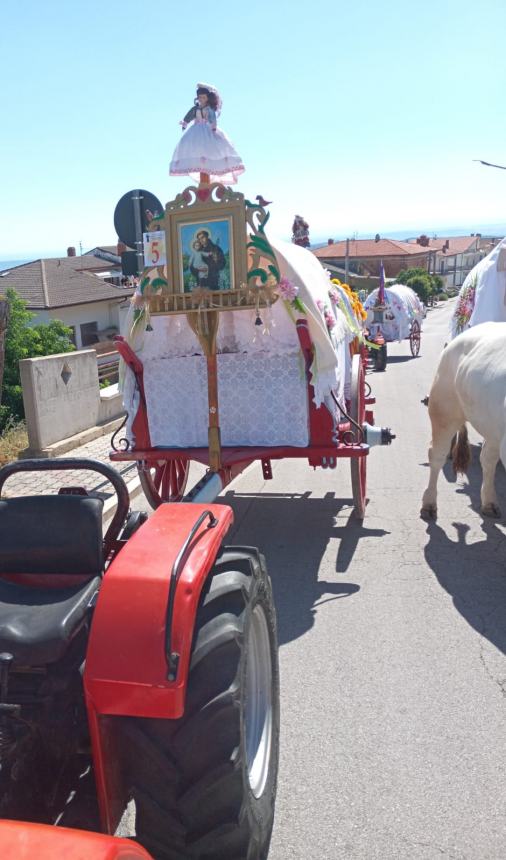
[(204, 149)]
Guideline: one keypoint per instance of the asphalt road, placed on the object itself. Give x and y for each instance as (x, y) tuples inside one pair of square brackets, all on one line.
[(392, 638)]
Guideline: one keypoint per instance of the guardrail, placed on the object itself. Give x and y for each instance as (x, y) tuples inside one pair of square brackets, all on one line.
[(108, 371)]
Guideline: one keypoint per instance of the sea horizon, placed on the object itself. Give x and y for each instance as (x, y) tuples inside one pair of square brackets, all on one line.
[(493, 230)]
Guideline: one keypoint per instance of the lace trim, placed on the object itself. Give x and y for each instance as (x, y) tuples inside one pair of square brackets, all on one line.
[(213, 172)]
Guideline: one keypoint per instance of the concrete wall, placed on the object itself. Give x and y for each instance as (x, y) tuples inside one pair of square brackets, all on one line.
[(62, 398)]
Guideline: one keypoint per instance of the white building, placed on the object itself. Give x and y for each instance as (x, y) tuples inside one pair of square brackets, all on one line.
[(83, 292)]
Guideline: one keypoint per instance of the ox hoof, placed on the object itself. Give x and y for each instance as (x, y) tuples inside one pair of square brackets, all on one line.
[(491, 510), (429, 512)]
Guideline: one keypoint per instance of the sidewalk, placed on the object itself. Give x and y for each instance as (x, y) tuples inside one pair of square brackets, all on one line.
[(39, 483)]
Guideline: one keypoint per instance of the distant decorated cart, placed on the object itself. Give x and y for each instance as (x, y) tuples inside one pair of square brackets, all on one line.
[(237, 349), (394, 313)]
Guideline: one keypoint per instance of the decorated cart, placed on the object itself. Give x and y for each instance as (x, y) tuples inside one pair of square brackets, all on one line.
[(394, 313), (482, 297), (236, 350)]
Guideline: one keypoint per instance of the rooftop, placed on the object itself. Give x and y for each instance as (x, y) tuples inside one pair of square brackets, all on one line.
[(61, 282), (370, 248)]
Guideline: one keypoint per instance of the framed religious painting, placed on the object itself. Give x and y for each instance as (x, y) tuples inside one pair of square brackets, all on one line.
[(208, 241)]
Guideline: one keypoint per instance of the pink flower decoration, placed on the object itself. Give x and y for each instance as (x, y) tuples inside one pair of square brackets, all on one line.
[(320, 304), (287, 290), (330, 320)]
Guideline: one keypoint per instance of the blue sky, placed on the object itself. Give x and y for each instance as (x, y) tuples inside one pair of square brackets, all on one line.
[(360, 116)]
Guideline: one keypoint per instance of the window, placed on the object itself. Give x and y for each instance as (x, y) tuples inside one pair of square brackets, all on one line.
[(73, 334), (89, 333)]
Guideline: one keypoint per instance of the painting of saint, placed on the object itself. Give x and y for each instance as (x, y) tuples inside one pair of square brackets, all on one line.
[(206, 255)]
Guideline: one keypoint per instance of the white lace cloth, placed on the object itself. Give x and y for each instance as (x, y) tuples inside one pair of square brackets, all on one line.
[(261, 401), (237, 332)]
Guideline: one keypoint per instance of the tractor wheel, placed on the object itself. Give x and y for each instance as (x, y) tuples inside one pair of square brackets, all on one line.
[(204, 785), (164, 481), (380, 358)]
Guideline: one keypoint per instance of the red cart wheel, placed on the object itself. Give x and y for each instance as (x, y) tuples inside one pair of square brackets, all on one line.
[(415, 337), (164, 481), (357, 412)]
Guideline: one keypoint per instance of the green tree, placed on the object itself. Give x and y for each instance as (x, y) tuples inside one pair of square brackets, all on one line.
[(424, 285), (25, 341), (421, 285)]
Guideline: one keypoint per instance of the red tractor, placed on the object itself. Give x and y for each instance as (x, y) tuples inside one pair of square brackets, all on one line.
[(136, 666)]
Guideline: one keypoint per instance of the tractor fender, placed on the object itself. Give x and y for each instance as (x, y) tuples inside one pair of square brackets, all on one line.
[(126, 669), (22, 841), (126, 672)]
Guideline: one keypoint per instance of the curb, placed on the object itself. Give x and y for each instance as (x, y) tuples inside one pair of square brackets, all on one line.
[(84, 437), (134, 489)]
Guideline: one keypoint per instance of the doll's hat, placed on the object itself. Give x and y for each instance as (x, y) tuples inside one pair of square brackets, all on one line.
[(211, 89)]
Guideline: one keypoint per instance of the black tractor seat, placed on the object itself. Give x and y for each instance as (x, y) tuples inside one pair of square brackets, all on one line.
[(37, 624), (44, 535)]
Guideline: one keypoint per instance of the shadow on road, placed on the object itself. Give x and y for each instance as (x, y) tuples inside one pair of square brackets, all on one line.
[(399, 359), (293, 531), (474, 575)]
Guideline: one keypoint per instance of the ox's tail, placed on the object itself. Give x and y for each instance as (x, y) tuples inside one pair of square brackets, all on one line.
[(461, 452)]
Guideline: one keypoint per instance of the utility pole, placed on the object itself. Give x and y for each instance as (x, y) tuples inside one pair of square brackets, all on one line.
[(4, 322), (347, 262)]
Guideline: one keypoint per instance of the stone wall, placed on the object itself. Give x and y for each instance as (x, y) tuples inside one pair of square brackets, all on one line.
[(62, 398)]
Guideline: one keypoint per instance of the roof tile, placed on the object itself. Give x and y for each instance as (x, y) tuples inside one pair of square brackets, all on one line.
[(61, 282)]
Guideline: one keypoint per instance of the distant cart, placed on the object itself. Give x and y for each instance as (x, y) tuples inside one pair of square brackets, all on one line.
[(393, 314)]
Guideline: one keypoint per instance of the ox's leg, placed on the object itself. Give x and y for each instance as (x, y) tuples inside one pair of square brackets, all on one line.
[(489, 458), (438, 455), (446, 419)]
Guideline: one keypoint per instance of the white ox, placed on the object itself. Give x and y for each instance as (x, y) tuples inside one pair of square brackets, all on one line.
[(469, 385)]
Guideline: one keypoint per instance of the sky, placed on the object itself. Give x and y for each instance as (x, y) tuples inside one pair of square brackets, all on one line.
[(360, 116)]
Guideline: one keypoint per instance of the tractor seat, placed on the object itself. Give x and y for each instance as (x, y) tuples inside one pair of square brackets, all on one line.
[(47, 535)]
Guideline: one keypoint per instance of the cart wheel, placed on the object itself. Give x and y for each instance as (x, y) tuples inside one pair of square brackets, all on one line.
[(204, 785), (165, 481), (415, 338), (380, 358), (357, 412)]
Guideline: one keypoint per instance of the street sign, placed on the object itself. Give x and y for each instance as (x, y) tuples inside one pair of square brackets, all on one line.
[(132, 216), (125, 214), (154, 249)]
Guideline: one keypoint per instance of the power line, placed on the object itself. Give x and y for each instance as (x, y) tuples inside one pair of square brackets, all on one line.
[(488, 164)]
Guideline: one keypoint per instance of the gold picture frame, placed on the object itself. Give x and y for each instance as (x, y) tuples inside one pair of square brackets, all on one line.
[(216, 261), (250, 274)]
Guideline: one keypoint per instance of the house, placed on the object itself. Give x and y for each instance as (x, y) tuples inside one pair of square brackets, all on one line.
[(366, 255), (83, 292), (456, 255)]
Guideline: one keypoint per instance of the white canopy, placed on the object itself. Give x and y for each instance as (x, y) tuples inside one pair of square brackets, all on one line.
[(482, 296), (403, 307)]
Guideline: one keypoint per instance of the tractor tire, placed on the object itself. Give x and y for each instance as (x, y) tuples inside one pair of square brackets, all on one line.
[(380, 359), (204, 785)]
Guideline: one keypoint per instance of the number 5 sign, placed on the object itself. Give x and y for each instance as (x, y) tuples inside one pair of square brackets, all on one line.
[(154, 249)]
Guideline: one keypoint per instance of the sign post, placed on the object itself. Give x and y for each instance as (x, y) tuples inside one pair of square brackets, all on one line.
[(132, 216)]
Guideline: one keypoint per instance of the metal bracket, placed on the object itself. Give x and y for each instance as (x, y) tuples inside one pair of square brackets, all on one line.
[(172, 656), (267, 470)]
